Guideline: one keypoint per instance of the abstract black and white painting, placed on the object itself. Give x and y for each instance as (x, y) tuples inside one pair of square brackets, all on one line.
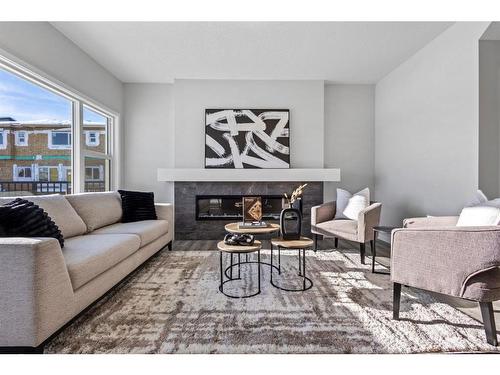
[(247, 138)]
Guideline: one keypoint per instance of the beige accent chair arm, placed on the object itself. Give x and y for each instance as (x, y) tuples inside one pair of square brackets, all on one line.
[(443, 259), (323, 212), (430, 222), (367, 219), (36, 295), (165, 211)]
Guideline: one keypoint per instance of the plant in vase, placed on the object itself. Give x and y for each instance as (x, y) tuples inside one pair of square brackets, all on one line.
[(294, 200), (291, 215)]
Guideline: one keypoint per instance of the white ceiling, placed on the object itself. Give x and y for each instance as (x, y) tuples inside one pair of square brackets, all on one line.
[(345, 52)]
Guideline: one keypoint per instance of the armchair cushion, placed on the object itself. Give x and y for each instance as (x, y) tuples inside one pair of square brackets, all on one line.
[(344, 228)]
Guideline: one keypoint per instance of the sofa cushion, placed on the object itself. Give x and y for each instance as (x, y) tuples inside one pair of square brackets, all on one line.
[(147, 230), (137, 206), (22, 218), (342, 225), (97, 209), (90, 255), (60, 211)]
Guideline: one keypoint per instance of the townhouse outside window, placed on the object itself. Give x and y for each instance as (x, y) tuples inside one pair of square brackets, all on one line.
[(3, 139), (47, 133), (21, 138)]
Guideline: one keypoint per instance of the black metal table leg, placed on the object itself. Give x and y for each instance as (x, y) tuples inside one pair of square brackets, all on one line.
[(221, 274), (374, 251), (306, 282), (304, 267), (239, 266), (258, 269), (272, 266), (279, 260), (300, 265), (231, 269)]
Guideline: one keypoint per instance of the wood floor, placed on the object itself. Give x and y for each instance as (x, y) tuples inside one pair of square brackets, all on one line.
[(469, 308)]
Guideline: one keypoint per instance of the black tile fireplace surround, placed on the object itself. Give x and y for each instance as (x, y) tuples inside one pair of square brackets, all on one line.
[(189, 225)]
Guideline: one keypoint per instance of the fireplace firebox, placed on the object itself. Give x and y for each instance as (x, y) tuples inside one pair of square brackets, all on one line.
[(229, 207)]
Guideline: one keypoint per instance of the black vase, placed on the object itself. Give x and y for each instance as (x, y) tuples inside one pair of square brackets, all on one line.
[(291, 223)]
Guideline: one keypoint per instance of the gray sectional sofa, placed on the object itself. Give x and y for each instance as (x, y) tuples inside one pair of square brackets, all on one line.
[(42, 287)]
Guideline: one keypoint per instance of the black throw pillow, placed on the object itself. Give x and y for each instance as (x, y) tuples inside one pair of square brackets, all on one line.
[(137, 206), (22, 218)]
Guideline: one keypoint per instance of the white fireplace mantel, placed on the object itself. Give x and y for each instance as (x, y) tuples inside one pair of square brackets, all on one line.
[(292, 174)]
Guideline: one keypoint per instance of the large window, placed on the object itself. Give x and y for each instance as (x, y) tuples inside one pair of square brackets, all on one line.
[(46, 132)]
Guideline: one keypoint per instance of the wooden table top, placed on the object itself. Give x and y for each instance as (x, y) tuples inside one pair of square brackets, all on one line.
[(303, 243), (239, 249), (233, 228)]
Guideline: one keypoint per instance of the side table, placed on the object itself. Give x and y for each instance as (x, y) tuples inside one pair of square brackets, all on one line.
[(236, 249), (376, 231), (301, 245)]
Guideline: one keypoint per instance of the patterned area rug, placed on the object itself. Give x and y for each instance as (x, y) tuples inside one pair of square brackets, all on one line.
[(173, 305)]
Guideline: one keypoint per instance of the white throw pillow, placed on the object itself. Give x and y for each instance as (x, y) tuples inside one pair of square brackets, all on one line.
[(479, 216), (343, 197), (356, 204)]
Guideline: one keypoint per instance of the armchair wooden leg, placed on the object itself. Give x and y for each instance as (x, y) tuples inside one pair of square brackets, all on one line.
[(169, 246), (396, 300), (489, 322), (315, 242), (362, 252), (336, 240)]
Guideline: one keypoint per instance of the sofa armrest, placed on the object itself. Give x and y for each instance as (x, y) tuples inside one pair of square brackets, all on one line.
[(442, 259), (165, 211), (323, 212), (367, 219), (36, 295), (430, 221)]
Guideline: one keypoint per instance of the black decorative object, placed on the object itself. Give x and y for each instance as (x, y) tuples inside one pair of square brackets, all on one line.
[(247, 138), (291, 224), (237, 239), (137, 206), (22, 218)]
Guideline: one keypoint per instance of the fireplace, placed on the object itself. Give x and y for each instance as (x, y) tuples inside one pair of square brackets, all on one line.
[(229, 207), (203, 208)]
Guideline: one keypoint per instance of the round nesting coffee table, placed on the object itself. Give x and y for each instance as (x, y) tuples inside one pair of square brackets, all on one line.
[(301, 244), (234, 228), (234, 249)]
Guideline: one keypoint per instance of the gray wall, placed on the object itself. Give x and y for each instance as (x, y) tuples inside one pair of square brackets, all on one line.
[(304, 99), (149, 137), (331, 126), (42, 46), (489, 119), (426, 128), (349, 136)]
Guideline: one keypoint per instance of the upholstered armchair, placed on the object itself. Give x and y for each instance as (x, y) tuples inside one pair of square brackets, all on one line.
[(323, 223), (435, 255)]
